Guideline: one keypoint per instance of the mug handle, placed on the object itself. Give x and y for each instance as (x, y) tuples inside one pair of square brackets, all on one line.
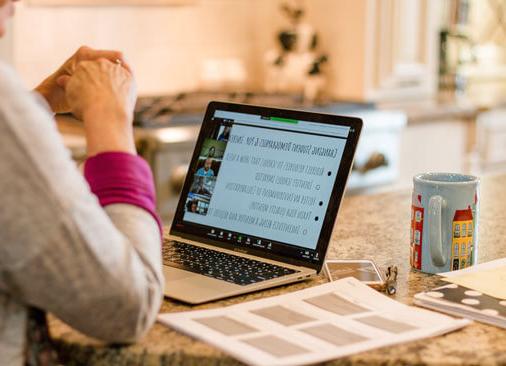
[(436, 204)]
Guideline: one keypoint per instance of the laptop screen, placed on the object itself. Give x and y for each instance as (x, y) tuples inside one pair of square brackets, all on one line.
[(264, 181)]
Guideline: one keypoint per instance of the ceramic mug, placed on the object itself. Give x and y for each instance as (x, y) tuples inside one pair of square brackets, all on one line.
[(444, 222)]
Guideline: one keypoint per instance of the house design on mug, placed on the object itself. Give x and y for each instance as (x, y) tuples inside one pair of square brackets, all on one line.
[(462, 241), (417, 218)]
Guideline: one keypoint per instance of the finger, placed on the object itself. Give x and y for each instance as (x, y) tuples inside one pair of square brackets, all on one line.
[(63, 80), (89, 54), (70, 65), (125, 64)]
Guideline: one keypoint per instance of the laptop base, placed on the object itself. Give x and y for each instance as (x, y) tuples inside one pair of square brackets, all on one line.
[(193, 288)]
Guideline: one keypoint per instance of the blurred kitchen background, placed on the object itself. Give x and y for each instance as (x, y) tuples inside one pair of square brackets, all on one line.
[(427, 76)]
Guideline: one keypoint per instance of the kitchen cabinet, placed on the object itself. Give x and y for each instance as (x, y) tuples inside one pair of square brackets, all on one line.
[(440, 136), (491, 141), (169, 161), (437, 146), (401, 55), (383, 50)]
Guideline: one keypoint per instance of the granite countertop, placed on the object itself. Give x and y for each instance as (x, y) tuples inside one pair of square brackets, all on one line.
[(376, 227)]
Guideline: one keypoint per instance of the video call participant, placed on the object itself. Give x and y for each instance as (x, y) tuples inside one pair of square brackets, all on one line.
[(206, 170), (199, 186), (192, 206), (211, 152), (224, 136)]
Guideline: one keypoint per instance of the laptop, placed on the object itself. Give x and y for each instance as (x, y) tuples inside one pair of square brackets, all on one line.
[(259, 200)]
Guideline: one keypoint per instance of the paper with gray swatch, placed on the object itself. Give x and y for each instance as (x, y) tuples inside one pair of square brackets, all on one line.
[(312, 325)]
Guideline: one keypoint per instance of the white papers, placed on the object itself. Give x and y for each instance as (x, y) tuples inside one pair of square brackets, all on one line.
[(478, 267), (491, 282), (312, 325), (488, 278)]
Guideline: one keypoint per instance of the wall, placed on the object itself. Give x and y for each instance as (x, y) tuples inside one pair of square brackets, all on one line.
[(165, 45), (341, 25)]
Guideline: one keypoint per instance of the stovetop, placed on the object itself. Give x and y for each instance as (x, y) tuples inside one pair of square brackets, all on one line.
[(189, 108)]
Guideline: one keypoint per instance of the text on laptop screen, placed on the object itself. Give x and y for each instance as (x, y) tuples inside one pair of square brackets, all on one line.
[(262, 179)]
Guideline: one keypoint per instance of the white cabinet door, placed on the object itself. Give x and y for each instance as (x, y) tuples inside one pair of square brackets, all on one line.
[(402, 44), (433, 147)]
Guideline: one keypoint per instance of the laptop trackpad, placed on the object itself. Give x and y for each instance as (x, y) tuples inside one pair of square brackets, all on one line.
[(194, 288), (173, 274)]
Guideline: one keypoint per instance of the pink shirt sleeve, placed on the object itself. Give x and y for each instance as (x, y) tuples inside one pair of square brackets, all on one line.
[(119, 177)]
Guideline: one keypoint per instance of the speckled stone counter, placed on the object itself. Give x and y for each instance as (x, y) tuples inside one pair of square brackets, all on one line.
[(368, 227)]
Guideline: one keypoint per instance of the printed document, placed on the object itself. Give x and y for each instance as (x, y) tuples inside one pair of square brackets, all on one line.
[(312, 325)]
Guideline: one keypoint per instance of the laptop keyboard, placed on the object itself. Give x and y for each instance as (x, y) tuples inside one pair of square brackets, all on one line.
[(223, 266)]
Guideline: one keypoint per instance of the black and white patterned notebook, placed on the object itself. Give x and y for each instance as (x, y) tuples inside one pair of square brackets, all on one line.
[(464, 302)]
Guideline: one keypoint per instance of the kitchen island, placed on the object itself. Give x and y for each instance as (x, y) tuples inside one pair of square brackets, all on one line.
[(369, 226)]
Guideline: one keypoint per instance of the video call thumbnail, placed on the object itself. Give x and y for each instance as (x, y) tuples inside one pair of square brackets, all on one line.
[(203, 185), (208, 167), (222, 133), (197, 204), (213, 149), (206, 171)]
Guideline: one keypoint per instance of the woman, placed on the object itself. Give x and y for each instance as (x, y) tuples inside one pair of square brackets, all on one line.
[(211, 152), (86, 249)]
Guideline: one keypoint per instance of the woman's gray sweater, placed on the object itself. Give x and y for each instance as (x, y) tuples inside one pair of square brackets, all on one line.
[(97, 269)]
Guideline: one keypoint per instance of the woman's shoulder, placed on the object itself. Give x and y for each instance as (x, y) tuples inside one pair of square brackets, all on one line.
[(9, 82)]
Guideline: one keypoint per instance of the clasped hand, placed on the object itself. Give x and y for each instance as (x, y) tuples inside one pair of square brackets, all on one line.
[(97, 87)]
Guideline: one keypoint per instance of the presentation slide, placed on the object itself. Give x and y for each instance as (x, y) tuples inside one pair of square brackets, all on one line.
[(272, 184)]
